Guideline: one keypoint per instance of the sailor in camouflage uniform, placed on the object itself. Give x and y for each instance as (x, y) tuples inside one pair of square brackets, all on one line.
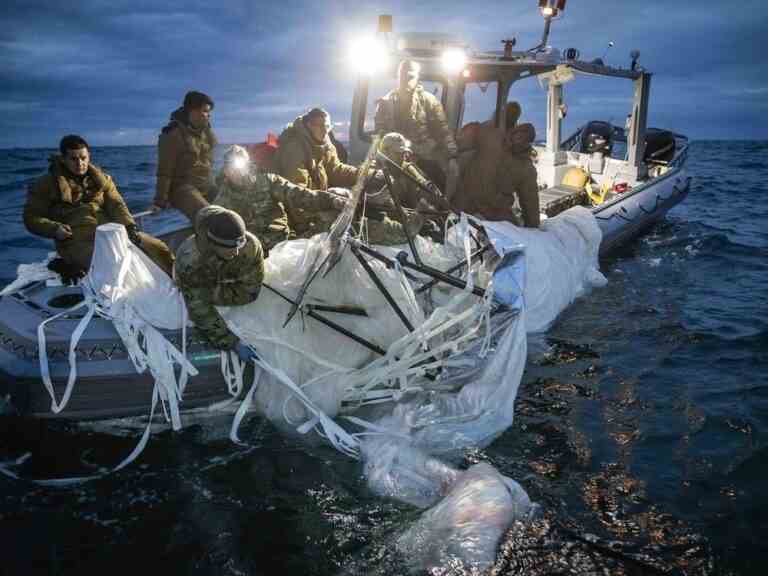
[(185, 157), (427, 196), (72, 199), (261, 198), (419, 116), (222, 264)]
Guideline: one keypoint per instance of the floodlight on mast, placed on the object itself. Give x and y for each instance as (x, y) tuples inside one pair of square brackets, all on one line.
[(549, 9)]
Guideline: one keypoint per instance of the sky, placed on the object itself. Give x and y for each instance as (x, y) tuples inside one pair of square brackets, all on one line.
[(113, 70)]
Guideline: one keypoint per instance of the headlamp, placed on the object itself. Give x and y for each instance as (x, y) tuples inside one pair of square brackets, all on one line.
[(239, 163)]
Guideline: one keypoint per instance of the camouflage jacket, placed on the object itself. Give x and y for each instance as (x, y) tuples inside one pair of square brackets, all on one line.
[(266, 202), (423, 123), (82, 203), (185, 156), (207, 281), (411, 195), (304, 161)]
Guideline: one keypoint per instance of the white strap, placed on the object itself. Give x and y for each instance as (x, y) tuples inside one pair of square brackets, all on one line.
[(42, 353), (244, 407), (64, 482)]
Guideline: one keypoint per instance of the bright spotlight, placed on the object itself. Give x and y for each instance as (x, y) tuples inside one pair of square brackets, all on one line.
[(368, 56), (454, 60)]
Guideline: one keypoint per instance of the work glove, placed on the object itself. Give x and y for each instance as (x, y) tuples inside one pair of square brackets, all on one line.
[(69, 273), (133, 234), (244, 352)]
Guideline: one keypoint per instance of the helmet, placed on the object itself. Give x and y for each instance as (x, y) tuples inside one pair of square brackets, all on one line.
[(576, 177), (394, 145)]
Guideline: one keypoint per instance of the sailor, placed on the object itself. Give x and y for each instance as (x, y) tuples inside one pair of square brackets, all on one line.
[(222, 264), (71, 200), (512, 112), (470, 132), (185, 157), (419, 116), (398, 150), (520, 173), (499, 179), (308, 157), (261, 198), (411, 186)]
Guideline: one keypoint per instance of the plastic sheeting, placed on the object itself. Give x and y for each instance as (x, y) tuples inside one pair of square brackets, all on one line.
[(140, 298), (561, 260), (475, 363), (464, 528), (26, 274)]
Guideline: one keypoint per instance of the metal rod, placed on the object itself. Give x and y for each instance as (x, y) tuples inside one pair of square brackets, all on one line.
[(332, 325), (428, 270), (386, 161), (401, 213), (352, 310), (381, 287)]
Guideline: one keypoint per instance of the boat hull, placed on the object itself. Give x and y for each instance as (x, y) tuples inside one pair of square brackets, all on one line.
[(628, 215), (108, 385)]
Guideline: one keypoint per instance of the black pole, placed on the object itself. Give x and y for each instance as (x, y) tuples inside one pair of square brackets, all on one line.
[(401, 213), (332, 325), (381, 287), (453, 269), (428, 270)]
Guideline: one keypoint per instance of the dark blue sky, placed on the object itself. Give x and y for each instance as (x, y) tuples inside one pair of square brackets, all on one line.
[(113, 70)]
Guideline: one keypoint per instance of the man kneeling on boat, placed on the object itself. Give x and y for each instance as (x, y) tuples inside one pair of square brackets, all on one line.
[(71, 200), (260, 199), (222, 264)]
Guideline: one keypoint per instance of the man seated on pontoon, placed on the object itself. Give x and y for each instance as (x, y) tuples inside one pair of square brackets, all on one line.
[(71, 200)]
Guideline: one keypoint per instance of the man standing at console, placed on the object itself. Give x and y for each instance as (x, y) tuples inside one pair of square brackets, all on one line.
[(185, 157), (419, 116)]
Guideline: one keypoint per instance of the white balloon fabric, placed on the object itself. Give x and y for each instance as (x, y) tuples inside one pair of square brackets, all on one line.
[(448, 385)]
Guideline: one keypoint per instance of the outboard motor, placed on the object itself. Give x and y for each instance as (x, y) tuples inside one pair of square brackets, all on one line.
[(597, 141), (659, 145)]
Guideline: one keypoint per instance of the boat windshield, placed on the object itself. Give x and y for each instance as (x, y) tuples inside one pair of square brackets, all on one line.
[(480, 102)]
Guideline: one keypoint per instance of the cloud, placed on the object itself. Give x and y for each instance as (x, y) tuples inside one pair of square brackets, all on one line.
[(115, 71)]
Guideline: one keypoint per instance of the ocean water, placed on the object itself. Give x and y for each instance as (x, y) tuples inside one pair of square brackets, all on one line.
[(641, 427)]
